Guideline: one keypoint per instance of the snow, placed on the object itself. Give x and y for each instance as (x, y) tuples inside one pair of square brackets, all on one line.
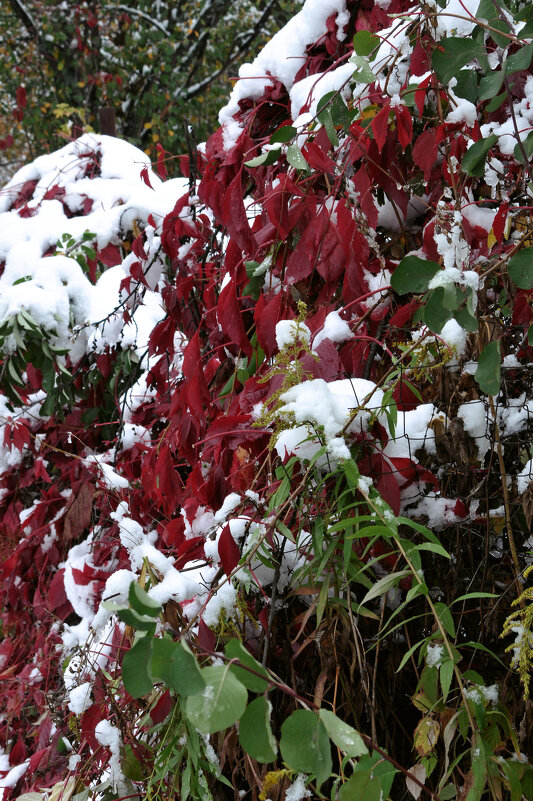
[(455, 336), (13, 776), (335, 329), (289, 332), (475, 421), (230, 503), (328, 406), (434, 655), (110, 477), (109, 736), (54, 290), (80, 698), (525, 477), (297, 790)]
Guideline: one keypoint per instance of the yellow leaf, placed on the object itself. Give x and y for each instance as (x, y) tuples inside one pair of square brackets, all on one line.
[(426, 735)]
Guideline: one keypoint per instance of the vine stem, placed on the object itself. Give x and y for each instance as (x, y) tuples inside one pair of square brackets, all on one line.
[(506, 504)]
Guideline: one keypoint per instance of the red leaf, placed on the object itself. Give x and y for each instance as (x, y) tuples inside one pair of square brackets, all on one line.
[(188, 551), (425, 151), (56, 595), (460, 508), (21, 97), (386, 483), (55, 193), (206, 638), (318, 160), (40, 471), (38, 757), (420, 62), (174, 532), (167, 482), (522, 311), (380, 126), (302, 260), (138, 247), (229, 317), (263, 619), (103, 363), (228, 550), (363, 187), (17, 753), (161, 710), (109, 256), (89, 721), (404, 313), (420, 94), (404, 125), (234, 215), (161, 167), (145, 177), (498, 226)]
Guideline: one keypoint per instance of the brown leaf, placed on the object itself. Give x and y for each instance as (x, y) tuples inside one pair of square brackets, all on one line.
[(79, 513)]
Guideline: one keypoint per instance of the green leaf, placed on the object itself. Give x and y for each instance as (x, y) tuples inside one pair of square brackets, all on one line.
[(236, 650), (521, 59), (141, 602), (496, 102), (473, 162), (408, 654), (436, 315), (371, 780), (520, 268), (270, 157), (343, 735), (470, 595), (131, 618), (136, 673), (255, 732), (466, 86), (446, 675), (296, 158), (365, 42), (131, 766), (385, 584), (526, 146), (445, 617), (490, 85), (488, 12), (222, 702), (325, 117), (448, 792), (305, 745), (175, 665), (283, 134), (466, 320), (413, 274), (488, 370), (332, 104), (362, 72), (451, 54)]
